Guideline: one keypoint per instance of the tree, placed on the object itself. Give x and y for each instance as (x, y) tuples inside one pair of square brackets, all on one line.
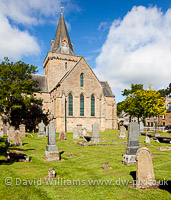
[(144, 103), (166, 92), (17, 90), (134, 88)]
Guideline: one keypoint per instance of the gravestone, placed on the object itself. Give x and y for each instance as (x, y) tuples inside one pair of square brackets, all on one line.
[(147, 139), (61, 136), (70, 155), (8, 126), (141, 127), (47, 130), (41, 129), (51, 173), (51, 152), (144, 169), (84, 132), (95, 133), (11, 134), (132, 144), (122, 132), (75, 133), (79, 129), (105, 166), (22, 129), (4, 129), (17, 138), (1, 132), (164, 148)]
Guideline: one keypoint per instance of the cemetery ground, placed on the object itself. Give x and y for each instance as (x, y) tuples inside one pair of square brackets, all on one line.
[(79, 176)]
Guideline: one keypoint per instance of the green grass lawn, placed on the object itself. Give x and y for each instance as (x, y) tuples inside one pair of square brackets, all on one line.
[(86, 165)]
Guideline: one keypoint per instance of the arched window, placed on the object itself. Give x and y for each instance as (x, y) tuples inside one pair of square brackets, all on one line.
[(70, 104), (81, 105), (92, 105), (81, 80)]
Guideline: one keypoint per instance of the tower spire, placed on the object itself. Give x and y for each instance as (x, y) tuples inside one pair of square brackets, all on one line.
[(62, 9), (62, 42)]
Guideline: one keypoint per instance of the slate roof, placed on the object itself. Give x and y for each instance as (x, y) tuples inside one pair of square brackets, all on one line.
[(61, 33), (42, 82), (106, 89)]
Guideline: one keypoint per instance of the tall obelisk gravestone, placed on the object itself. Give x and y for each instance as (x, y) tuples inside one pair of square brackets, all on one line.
[(132, 144), (51, 152)]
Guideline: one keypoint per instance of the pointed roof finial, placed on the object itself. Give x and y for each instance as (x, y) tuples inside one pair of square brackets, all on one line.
[(62, 9)]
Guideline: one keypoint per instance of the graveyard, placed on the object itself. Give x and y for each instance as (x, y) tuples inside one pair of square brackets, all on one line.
[(80, 173)]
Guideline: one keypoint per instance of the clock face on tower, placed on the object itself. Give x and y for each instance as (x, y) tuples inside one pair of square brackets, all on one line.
[(64, 44)]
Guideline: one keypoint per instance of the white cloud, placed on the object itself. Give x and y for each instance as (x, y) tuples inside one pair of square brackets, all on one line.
[(16, 43), (104, 26), (137, 50)]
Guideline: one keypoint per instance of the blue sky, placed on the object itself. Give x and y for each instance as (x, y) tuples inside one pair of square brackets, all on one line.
[(124, 42)]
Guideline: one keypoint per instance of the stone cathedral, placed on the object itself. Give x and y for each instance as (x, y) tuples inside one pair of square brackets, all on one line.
[(71, 91)]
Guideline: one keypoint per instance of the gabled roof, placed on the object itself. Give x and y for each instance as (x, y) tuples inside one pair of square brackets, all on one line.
[(61, 33), (107, 92), (42, 82), (106, 89)]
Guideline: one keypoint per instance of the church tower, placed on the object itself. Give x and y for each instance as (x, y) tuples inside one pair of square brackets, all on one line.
[(61, 58)]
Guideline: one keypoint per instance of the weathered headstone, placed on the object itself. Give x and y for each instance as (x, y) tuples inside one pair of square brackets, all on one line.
[(17, 138), (1, 132), (95, 133), (84, 132), (4, 129), (70, 155), (147, 139), (75, 133), (164, 148), (22, 129), (61, 136), (47, 130), (51, 173), (144, 169), (79, 129), (8, 126), (141, 127), (132, 144), (122, 132), (11, 134), (51, 152), (41, 129), (105, 166)]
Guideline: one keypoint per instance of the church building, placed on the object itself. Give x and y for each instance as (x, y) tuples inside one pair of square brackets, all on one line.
[(71, 91)]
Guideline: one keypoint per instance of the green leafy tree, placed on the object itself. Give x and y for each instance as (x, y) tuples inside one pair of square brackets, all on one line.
[(166, 92), (144, 103), (17, 90), (134, 88)]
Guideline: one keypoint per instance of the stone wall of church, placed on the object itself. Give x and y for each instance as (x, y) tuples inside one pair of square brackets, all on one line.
[(56, 66), (111, 113), (104, 106)]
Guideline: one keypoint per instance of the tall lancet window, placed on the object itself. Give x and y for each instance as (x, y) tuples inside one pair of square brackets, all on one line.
[(92, 105), (81, 80), (70, 104), (81, 105)]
